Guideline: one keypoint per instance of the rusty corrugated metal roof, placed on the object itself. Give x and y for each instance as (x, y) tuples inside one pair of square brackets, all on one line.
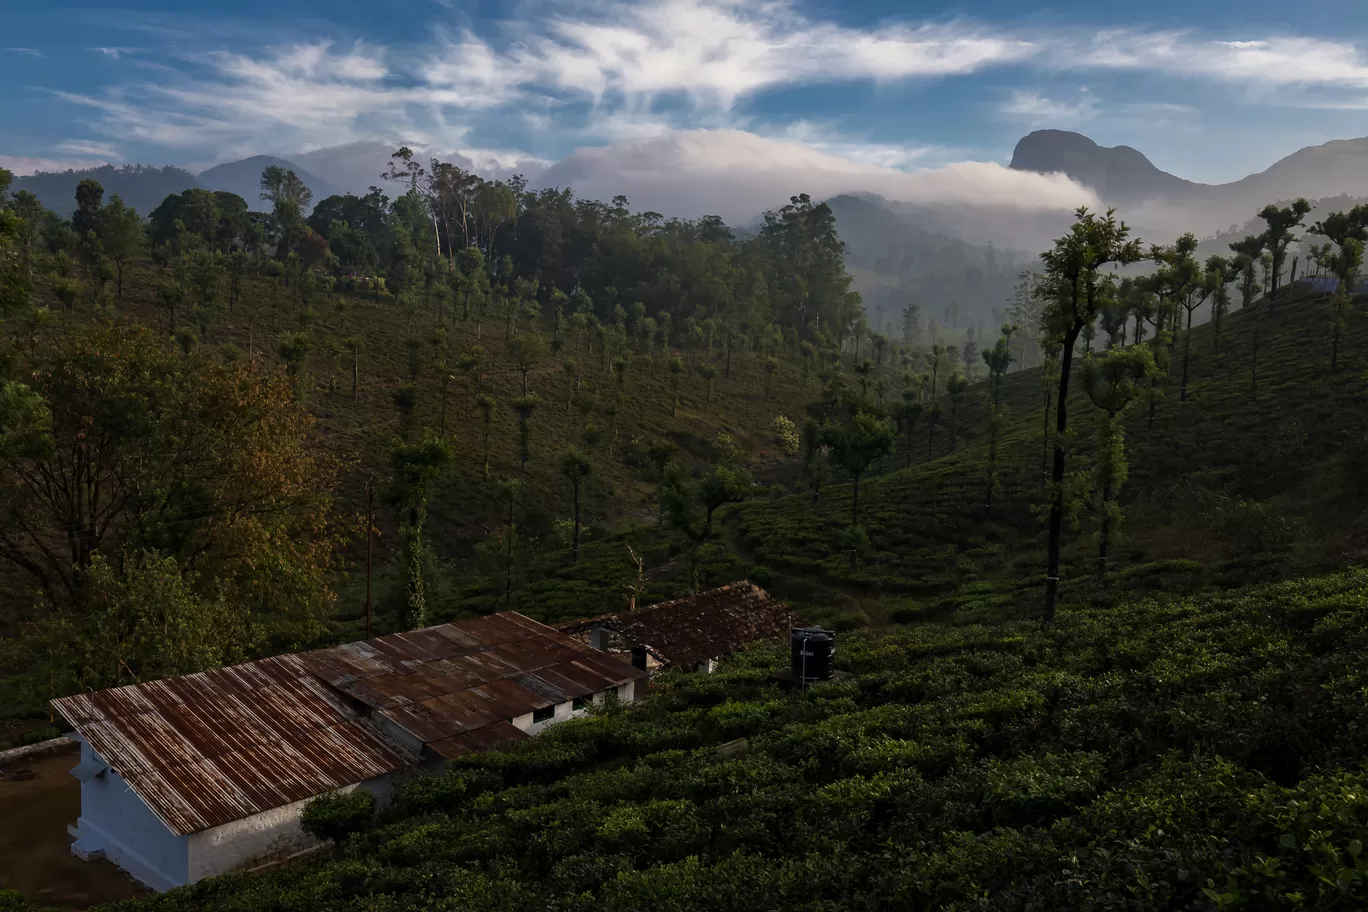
[(209, 748), (686, 631)]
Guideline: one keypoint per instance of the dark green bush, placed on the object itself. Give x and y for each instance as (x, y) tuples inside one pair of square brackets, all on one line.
[(336, 816)]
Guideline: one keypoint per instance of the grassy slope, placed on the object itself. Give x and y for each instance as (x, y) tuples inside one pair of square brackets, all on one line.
[(362, 430), (1132, 757), (1282, 450)]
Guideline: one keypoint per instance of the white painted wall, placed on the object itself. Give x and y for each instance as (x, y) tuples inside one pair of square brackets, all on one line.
[(114, 821), (264, 838), (566, 710)]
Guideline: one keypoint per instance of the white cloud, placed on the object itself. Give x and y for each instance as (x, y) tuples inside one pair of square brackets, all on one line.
[(22, 51), (588, 71), (1037, 109), (1275, 61), (736, 174), (717, 51), (21, 165), (88, 147)]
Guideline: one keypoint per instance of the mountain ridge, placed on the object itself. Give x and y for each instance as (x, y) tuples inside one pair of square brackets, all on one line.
[(1125, 177)]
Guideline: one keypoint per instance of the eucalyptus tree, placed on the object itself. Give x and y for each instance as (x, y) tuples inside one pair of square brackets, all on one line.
[(1348, 232), (856, 444), (934, 413), (1217, 275), (907, 412), (417, 469), (676, 368), (863, 370), (509, 492), (122, 237), (815, 466), (576, 468), (1070, 284), (526, 352), (525, 407), (709, 374), (1112, 382), (955, 388), (1280, 221), (487, 405), (999, 359)]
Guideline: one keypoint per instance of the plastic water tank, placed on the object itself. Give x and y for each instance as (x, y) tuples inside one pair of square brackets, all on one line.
[(813, 651)]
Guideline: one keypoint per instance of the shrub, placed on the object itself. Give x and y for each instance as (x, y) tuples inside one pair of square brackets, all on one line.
[(787, 432), (335, 816)]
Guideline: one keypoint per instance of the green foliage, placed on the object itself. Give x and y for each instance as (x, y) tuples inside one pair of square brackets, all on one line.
[(339, 816), (1156, 751), (787, 432)]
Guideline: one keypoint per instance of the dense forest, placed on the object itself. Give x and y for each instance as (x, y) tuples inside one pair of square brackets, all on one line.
[(1102, 657)]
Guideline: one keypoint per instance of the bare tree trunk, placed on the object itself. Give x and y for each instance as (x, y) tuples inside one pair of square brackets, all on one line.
[(1187, 349), (1057, 476), (1104, 538)]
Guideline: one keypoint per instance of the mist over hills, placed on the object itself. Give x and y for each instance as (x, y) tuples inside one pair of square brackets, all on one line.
[(1165, 204)]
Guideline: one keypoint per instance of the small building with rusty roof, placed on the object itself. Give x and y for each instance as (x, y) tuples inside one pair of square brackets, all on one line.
[(690, 633), (206, 773)]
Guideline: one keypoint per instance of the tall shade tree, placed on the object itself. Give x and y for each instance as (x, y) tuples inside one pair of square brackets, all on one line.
[(856, 444), (509, 492), (525, 407), (417, 469), (576, 468), (1347, 232), (1070, 285), (723, 484), (115, 442), (955, 388), (487, 406), (526, 352), (1112, 382), (999, 359), (907, 412), (1278, 235), (121, 235)]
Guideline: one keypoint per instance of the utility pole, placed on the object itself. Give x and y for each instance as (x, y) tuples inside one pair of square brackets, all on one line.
[(370, 539)]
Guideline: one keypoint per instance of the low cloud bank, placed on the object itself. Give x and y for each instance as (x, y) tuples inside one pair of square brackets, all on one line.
[(736, 175)]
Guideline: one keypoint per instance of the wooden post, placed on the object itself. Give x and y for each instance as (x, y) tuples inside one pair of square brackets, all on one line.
[(370, 539)]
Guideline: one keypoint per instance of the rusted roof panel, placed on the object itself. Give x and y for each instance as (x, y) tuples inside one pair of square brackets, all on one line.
[(480, 739), (201, 752), (687, 631), (206, 749)]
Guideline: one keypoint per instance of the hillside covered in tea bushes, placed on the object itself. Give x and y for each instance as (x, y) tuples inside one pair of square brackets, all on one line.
[(1169, 752)]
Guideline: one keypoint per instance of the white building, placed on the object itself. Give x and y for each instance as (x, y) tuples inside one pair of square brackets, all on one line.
[(207, 773)]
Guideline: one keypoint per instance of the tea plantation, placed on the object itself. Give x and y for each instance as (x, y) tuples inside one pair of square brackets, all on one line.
[(1167, 753)]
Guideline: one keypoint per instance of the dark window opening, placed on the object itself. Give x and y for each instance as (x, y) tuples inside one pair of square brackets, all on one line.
[(581, 703), (543, 715)]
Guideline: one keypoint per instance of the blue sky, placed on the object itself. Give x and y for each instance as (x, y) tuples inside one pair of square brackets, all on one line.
[(1211, 89)]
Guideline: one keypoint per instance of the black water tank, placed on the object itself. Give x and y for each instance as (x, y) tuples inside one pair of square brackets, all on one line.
[(639, 657), (813, 651)]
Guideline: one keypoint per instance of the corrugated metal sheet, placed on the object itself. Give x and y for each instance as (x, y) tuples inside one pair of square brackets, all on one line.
[(687, 631), (480, 739), (206, 749), (210, 748)]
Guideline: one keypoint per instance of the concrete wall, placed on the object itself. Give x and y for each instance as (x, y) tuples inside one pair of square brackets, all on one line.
[(264, 838), (115, 822), (566, 710)]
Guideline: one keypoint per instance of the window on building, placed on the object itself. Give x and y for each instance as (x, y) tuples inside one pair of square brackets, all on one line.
[(581, 703), (543, 715)]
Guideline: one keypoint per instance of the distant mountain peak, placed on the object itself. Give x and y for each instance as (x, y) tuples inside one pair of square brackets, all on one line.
[(1117, 173)]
